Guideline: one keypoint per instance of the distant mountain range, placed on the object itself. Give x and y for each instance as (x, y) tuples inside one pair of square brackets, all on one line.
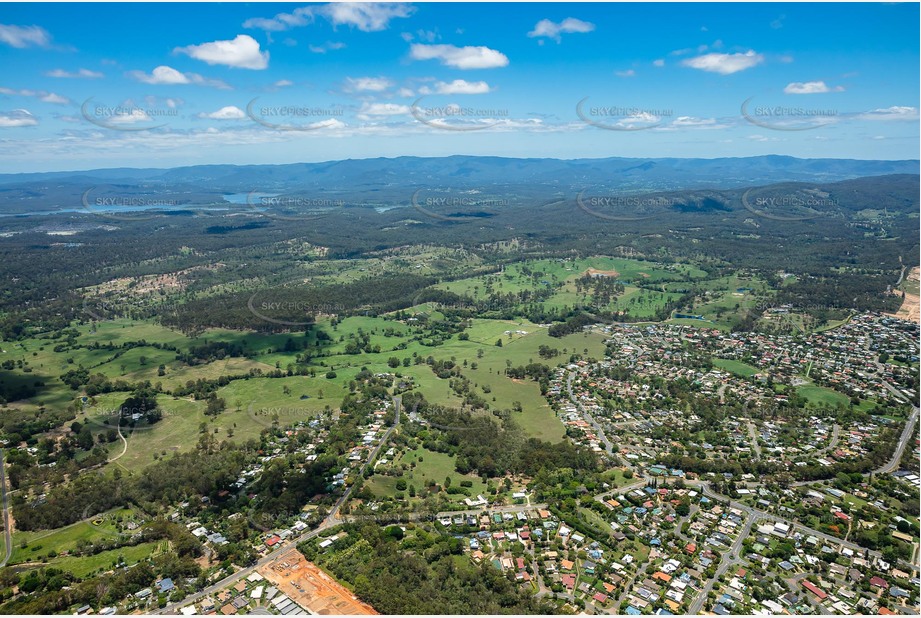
[(385, 181)]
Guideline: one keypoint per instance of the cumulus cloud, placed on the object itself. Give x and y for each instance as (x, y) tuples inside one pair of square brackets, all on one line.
[(78, 74), (242, 52), (725, 64), (460, 86), (164, 75), (130, 116), (367, 84), (17, 118), (895, 112), (817, 87), (365, 16), (370, 111), (469, 57), (553, 30), (41, 95), (229, 112), (24, 36)]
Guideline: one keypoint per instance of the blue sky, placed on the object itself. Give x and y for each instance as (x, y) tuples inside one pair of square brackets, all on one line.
[(143, 85)]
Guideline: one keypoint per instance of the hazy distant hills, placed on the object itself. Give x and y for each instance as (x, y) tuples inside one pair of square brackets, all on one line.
[(384, 181)]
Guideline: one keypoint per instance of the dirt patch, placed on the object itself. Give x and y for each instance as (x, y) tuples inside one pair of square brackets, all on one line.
[(594, 272), (912, 302), (311, 588)]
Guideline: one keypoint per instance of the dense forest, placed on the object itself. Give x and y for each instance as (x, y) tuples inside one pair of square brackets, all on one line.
[(48, 276)]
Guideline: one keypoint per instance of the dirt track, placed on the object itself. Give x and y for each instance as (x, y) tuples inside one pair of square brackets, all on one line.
[(603, 273)]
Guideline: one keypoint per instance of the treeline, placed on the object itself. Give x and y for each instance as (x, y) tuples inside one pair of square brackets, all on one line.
[(281, 308), (202, 472), (421, 575), (492, 446), (53, 591)]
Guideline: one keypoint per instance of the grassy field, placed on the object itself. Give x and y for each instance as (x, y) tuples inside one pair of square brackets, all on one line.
[(736, 367), (431, 468), (39, 543), (821, 396), (562, 273), (251, 402)]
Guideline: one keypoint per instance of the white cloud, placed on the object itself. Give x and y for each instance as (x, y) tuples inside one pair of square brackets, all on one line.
[(325, 47), (372, 110), (405, 92), (242, 52), (691, 122), (283, 83), (553, 30), (426, 36), (658, 63), (366, 16), (725, 64), (129, 117), (810, 88), (896, 112), (367, 84), (24, 36), (161, 75), (469, 57), (460, 86), (763, 138), (54, 98), (229, 112), (41, 95), (627, 73), (17, 118), (164, 75), (81, 74)]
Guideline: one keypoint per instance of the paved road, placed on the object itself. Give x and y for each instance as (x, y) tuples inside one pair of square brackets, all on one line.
[(7, 535), (759, 514), (893, 464), (753, 437), (727, 560)]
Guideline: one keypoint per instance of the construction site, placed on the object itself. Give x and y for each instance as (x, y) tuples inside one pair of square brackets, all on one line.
[(310, 588)]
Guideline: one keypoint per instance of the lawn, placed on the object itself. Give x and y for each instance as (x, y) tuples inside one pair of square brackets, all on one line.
[(431, 468), (820, 396), (737, 367), (82, 566), (38, 543)]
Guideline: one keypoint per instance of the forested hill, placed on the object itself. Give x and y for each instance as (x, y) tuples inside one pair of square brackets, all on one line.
[(365, 174)]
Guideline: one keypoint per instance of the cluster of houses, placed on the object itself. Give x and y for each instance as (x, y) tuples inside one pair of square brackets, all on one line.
[(595, 400), (254, 594), (819, 577)]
